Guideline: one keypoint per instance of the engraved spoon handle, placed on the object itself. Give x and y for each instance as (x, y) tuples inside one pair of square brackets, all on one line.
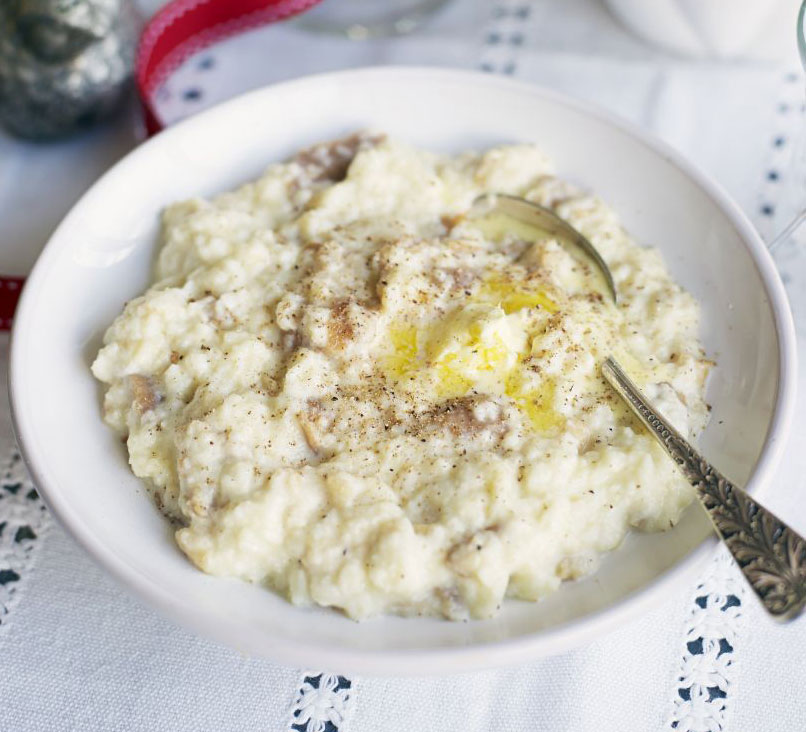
[(770, 554)]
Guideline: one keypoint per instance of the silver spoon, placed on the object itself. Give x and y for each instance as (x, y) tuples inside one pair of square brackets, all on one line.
[(771, 555)]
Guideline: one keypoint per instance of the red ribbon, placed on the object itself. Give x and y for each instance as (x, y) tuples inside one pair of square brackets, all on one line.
[(184, 27), (180, 29), (10, 288)]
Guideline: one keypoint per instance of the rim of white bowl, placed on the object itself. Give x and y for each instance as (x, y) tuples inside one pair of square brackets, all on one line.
[(427, 661)]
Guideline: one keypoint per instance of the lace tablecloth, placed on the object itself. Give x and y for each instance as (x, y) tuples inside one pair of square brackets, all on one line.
[(78, 653)]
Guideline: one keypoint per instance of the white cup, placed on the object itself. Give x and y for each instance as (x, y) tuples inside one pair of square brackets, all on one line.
[(723, 29)]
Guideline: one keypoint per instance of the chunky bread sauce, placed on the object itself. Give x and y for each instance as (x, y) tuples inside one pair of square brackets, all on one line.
[(345, 386)]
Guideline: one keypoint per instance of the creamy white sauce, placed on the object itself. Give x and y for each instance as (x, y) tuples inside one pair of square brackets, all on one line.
[(354, 394)]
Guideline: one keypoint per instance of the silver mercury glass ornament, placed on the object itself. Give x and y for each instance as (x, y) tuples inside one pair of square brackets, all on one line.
[(64, 64)]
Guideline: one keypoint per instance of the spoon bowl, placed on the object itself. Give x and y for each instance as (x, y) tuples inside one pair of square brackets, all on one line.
[(545, 220)]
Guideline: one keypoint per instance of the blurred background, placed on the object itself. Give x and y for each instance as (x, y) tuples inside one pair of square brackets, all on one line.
[(719, 80)]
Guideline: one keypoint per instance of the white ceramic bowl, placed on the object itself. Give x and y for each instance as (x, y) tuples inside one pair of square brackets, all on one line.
[(102, 253)]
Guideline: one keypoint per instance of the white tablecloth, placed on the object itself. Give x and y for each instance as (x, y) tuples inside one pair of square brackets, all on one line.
[(78, 653)]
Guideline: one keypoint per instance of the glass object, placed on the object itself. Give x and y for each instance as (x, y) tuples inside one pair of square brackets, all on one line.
[(360, 19), (63, 64)]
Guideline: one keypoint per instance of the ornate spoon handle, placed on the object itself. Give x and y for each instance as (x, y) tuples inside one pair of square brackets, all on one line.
[(770, 554)]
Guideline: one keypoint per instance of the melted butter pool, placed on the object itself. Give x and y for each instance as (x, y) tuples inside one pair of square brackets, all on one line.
[(480, 348)]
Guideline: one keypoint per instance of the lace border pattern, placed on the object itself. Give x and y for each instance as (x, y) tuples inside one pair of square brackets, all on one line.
[(505, 36), (323, 703), (784, 171), (713, 626), (23, 522)]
